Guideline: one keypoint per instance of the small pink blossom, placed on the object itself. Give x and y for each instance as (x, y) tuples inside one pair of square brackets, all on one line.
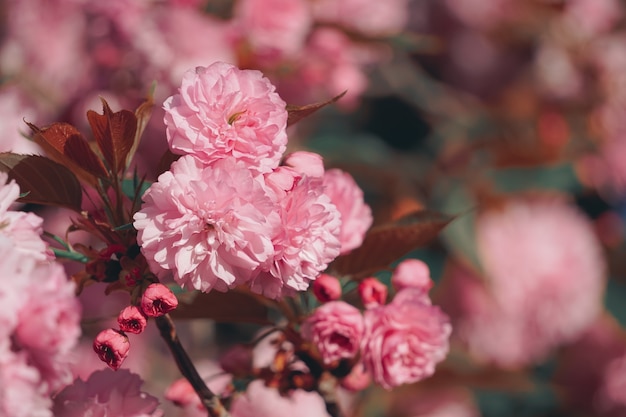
[(357, 380), (404, 340), (132, 320), (211, 226), (356, 216), (412, 273), (112, 347), (106, 393), (372, 292), (158, 300), (224, 112), (336, 330), (326, 288)]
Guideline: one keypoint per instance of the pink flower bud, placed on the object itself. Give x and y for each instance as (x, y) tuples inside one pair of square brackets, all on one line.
[(412, 273), (373, 292), (132, 320), (326, 288), (237, 360), (357, 380), (112, 347), (158, 300)]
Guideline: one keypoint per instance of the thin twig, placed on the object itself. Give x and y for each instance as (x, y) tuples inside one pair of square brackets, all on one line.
[(210, 401)]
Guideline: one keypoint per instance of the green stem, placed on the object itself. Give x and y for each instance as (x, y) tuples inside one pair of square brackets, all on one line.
[(71, 255)]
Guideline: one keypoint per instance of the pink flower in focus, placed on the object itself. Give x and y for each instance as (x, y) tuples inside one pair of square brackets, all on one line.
[(112, 347), (158, 300), (262, 401), (132, 320), (404, 339), (336, 330), (326, 288), (372, 292), (356, 216), (274, 29), (224, 112), (545, 295), (304, 244), (106, 393), (211, 226), (306, 163), (412, 273)]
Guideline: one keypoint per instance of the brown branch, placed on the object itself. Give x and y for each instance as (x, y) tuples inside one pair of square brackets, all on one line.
[(210, 401)]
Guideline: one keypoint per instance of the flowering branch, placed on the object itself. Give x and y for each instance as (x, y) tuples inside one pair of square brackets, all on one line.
[(210, 401)]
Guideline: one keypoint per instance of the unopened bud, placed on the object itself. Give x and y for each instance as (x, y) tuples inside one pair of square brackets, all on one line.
[(112, 347), (158, 300), (132, 320), (412, 273), (326, 288), (373, 292)]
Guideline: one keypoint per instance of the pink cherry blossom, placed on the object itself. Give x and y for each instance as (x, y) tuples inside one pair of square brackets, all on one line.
[(356, 216), (158, 300), (326, 288), (372, 292), (304, 244), (412, 273), (369, 17), (106, 393), (132, 320), (404, 340), (112, 347), (23, 393), (224, 112), (210, 226), (335, 329), (358, 379), (307, 163)]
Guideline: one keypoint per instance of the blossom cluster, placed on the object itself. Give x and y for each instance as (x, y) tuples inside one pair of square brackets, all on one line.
[(226, 213)]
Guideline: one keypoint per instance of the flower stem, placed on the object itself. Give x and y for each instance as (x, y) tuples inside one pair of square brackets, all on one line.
[(210, 401)]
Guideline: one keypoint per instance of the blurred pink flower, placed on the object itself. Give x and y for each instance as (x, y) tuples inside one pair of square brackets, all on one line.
[(132, 320), (211, 226), (358, 379), (224, 112), (412, 273), (158, 300), (326, 288), (592, 17), (304, 244), (336, 330), (273, 29), (23, 393), (404, 339), (373, 18), (356, 216), (112, 347), (543, 282), (372, 292), (262, 401), (15, 107), (443, 401), (611, 396), (106, 393)]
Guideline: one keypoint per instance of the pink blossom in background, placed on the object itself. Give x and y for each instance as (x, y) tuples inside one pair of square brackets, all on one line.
[(444, 401), (262, 401), (304, 244), (611, 396), (372, 292), (412, 273), (106, 393), (543, 282), (15, 107), (482, 14), (357, 380), (274, 30), (326, 288), (158, 300), (592, 17), (356, 216), (23, 393), (112, 347), (404, 339), (373, 18), (210, 226), (336, 330), (224, 112)]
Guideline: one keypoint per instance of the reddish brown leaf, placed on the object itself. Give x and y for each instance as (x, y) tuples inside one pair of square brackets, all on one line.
[(297, 113), (143, 113), (114, 133), (64, 144), (232, 306), (42, 180), (387, 243)]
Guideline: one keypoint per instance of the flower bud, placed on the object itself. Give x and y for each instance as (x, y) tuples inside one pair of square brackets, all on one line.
[(411, 273), (112, 347), (158, 300), (357, 380), (132, 320), (373, 292), (237, 361), (326, 288)]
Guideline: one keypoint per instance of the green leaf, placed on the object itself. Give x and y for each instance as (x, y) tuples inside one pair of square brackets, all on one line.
[(297, 113), (387, 243), (129, 187), (232, 306), (42, 181)]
